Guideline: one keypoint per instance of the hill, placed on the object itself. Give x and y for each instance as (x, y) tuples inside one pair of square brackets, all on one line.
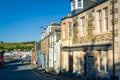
[(6, 46)]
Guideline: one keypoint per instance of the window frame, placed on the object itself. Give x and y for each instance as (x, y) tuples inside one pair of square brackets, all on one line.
[(105, 19), (82, 27), (69, 29), (99, 21), (73, 4)]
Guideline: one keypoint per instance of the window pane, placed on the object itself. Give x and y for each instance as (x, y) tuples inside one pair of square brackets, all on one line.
[(70, 29), (106, 19), (82, 26), (79, 3), (73, 4), (99, 21)]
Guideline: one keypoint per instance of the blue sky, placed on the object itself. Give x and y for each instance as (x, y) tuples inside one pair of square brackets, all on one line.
[(20, 20)]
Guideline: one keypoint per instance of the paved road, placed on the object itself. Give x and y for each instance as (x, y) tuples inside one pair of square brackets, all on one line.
[(18, 71)]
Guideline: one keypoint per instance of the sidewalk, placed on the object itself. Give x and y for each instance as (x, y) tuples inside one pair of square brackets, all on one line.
[(41, 71)]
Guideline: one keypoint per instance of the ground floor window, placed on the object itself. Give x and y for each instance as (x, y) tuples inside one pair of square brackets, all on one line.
[(103, 59), (99, 61), (106, 62)]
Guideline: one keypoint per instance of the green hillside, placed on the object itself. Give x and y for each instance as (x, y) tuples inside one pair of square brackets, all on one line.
[(11, 46)]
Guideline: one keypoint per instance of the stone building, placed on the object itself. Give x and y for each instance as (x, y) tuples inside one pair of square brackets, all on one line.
[(44, 51), (86, 38)]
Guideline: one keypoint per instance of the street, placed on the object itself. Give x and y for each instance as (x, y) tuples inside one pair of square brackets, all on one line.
[(18, 71)]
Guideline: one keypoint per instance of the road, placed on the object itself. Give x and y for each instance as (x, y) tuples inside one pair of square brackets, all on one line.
[(18, 71)]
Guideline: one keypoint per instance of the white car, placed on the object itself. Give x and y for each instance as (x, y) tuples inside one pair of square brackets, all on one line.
[(26, 59)]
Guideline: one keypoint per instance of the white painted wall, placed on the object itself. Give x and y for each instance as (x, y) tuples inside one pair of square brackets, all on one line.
[(50, 57), (57, 52)]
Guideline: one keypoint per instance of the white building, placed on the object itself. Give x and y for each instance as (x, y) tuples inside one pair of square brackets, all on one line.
[(57, 56), (50, 30), (48, 59)]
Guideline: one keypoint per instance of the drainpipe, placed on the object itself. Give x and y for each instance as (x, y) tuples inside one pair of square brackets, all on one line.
[(113, 77)]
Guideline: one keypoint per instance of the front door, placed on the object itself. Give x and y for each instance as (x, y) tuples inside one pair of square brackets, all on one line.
[(90, 66), (70, 62)]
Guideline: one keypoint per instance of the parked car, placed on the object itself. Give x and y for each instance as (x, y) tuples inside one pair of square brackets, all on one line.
[(8, 57), (26, 59)]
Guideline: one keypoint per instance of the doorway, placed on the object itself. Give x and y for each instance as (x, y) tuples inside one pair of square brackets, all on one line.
[(70, 57), (89, 65)]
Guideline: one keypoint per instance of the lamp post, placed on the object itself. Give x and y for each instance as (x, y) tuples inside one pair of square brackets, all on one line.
[(113, 77)]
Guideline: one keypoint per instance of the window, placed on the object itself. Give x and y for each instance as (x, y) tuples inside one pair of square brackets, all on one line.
[(106, 62), (103, 59), (106, 19), (82, 29), (73, 4), (99, 61), (79, 3), (64, 32), (99, 21), (70, 29)]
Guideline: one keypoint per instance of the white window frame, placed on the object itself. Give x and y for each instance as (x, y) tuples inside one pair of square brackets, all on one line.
[(73, 5), (99, 61), (81, 3), (106, 62), (82, 27), (105, 19), (99, 13)]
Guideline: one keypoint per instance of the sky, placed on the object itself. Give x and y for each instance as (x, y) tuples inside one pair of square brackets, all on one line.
[(20, 20)]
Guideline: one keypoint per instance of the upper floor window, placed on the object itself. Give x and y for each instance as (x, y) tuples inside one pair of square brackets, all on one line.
[(64, 31), (82, 29), (105, 19), (99, 21), (79, 3), (70, 29), (73, 4)]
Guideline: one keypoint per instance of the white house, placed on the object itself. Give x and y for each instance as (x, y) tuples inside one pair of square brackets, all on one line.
[(57, 56), (48, 59), (50, 31)]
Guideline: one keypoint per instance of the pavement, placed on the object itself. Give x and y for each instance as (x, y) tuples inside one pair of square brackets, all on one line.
[(54, 76), (41, 71)]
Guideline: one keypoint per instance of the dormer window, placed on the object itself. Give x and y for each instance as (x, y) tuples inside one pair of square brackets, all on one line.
[(73, 5), (79, 3), (76, 4)]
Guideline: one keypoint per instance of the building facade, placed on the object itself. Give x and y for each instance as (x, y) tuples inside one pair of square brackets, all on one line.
[(86, 38), (57, 50), (51, 28), (50, 33)]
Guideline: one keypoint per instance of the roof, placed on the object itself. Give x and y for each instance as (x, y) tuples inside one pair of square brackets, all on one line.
[(55, 24), (98, 3)]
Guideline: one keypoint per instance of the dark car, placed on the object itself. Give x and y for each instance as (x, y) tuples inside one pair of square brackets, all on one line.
[(1, 59)]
